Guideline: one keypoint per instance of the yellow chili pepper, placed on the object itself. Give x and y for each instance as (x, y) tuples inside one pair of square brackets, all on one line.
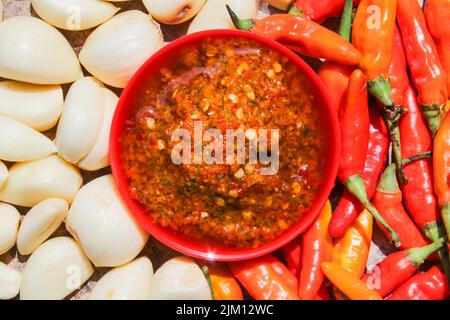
[(351, 251), (348, 283)]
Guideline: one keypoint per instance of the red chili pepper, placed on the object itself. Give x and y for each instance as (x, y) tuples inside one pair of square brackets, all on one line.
[(317, 247), (373, 31), (355, 139), (349, 207), (319, 11), (336, 76), (301, 35), (441, 166), (292, 256), (437, 15), (262, 281), (430, 285), (398, 74), (398, 267), (423, 61), (388, 201)]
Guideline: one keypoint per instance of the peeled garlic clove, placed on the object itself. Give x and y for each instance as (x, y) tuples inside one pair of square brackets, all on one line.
[(179, 279), (35, 52), (37, 106), (32, 182), (74, 14), (173, 11), (3, 174), (115, 50), (214, 16), (9, 224), (81, 120), (101, 222), (98, 156), (39, 223), (54, 270), (9, 282), (128, 282), (22, 143)]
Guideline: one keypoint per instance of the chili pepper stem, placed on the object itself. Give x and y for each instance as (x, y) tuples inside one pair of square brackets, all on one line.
[(205, 271), (417, 256), (295, 11), (388, 182), (355, 185), (417, 157), (435, 231), (432, 114), (380, 88), (241, 24), (345, 27), (445, 214)]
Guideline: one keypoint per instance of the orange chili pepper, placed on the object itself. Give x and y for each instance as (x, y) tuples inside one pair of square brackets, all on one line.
[(441, 166), (348, 283), (262, 281), (317, 247), (373, 32), (437, 15), (425, 68), (351, 251), (301, 35), (224, 286), (336, 76), (291, 254)]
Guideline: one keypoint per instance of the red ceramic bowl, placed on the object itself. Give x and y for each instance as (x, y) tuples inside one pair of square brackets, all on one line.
[(212, 250)]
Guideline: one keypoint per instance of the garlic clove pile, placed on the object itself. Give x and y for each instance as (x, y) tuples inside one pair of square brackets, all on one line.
[(39, 223), (33, 51), (102, 224), (31, 182), (3, 174)]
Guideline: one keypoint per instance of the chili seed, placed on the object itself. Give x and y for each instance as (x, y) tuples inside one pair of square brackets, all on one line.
[(161, 144), (233, 98), (240, 113), (277, 67), (204, 215), (151, 123), (296, 187), (270, 73), (233, 193), (249, 168), (220, 202), (239, 174), (247, 215)]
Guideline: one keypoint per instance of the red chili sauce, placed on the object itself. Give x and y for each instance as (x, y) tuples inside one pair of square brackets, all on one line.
[(226, 83)]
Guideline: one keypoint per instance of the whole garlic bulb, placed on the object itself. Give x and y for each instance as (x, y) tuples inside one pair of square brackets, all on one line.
[(102, 224), (54, 270), (116, 49), (33, 51)]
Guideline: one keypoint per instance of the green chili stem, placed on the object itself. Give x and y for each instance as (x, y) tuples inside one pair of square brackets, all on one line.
[(435, 231), (419, 255), (388, 181), (242, 24), (355, 185), (417, 157), (205, 270), (432, 114), (345, 27)]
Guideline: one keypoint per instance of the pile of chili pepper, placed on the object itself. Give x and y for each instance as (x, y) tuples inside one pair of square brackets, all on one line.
[(387, 69)]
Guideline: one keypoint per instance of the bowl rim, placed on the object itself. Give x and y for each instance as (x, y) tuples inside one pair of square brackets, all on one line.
[(164, 235)]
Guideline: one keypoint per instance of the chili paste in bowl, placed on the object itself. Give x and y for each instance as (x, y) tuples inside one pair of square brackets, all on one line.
[(225, 144)]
